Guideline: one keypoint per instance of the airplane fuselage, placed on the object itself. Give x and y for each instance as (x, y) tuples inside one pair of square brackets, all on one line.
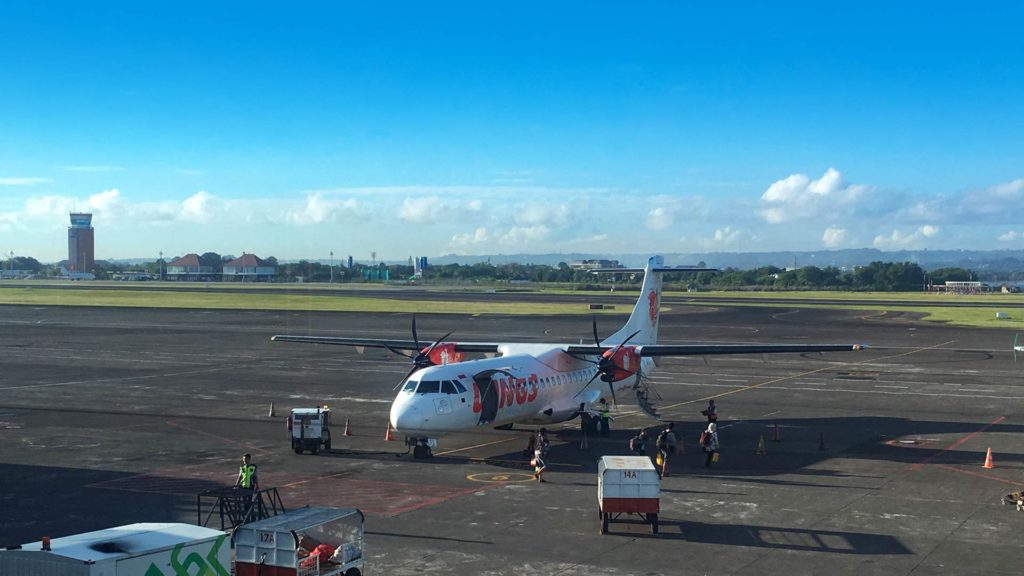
[(531, 384)]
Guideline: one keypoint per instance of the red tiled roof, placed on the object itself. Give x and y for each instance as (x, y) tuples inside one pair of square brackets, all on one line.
[(247, 261), (186, 260)]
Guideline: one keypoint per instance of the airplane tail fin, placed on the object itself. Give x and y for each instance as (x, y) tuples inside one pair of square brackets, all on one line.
[(644, 318), (643, 321)]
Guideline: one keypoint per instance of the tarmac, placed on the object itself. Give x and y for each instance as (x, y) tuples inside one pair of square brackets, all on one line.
[(114, 416)]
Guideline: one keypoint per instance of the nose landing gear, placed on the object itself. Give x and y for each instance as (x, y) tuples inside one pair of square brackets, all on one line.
[(421, 447)]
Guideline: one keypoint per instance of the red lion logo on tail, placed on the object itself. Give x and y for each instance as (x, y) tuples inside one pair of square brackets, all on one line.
[(652, 300)]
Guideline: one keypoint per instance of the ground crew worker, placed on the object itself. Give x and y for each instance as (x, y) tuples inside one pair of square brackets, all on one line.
[(247, 474), (606, 414), (711, 412)]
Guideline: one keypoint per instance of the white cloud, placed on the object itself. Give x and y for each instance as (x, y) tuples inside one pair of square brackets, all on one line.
[(316, 209), (197, 207), (797, 197), (426, 210), (43, 206), (1011, 236), (522, 236), (24, 181), (998, 202), (659, 218), (833, 237), (723, 239), (104, 201), (898, 240), (467, 240), (542, 214)]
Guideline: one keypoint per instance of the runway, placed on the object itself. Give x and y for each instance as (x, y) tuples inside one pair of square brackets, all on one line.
[(114, 416)]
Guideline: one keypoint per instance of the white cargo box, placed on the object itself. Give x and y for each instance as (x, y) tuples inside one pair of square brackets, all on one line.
[(275, 542), (628, 484), (146, 548)]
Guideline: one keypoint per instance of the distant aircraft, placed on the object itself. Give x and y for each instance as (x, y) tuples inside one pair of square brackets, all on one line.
[(535, 383), (1017, 346)]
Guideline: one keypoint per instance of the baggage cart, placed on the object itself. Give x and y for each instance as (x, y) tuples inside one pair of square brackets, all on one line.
[(628, 485), (312, 541)]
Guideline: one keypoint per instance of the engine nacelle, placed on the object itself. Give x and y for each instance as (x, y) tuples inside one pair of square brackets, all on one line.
[(444, 353), (624, 363)]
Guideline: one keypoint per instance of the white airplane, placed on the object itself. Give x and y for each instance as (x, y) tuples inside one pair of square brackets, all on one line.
[(535, 383)]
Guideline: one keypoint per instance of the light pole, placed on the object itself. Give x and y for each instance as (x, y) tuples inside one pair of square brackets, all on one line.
[(332, 266), (160, 266)]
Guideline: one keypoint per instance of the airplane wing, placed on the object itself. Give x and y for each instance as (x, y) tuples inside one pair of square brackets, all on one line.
[(653, 350), (486, 347)]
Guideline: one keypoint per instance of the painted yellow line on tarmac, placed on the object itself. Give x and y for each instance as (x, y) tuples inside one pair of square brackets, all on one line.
[(506, 477), (784, 378)]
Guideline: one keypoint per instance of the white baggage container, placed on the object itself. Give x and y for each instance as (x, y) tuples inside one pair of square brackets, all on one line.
[(145, 548), (628, 485), (279, 546)]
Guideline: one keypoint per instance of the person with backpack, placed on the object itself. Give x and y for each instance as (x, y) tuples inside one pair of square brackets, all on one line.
[(709, 442), (666, 444), (638, 443)]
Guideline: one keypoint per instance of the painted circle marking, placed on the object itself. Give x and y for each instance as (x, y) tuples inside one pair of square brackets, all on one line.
[(501, 477)]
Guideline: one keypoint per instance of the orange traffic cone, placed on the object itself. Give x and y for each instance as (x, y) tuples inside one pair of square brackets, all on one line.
[(988, 459), (775, 434), (389, 436), (349, 432)]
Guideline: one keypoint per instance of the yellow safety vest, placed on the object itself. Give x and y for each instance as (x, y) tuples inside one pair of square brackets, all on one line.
[(247, 473)]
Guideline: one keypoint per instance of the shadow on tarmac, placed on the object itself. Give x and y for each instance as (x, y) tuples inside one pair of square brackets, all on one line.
[(794, 539)]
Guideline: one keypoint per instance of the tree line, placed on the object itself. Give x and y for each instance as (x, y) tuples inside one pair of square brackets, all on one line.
[(876, 276)]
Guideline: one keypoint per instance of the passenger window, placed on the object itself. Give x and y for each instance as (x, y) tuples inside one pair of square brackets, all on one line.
[(447, 387), (459, 386), (410, 386), (429, 387)]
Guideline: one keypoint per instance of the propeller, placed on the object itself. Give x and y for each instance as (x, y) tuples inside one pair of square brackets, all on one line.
[(606, 366), (421, 359)]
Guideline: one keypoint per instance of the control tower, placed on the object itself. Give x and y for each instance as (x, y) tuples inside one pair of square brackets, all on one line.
[(81, 251)]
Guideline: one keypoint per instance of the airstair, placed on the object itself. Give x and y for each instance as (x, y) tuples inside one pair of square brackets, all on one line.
[(644, 391)]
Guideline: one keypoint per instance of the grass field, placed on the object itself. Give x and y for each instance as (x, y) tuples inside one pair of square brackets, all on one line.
[(932, 306), (131, 298)]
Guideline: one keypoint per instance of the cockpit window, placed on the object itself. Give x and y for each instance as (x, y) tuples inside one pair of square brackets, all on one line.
[(429, 387), (447, 387), (459, 386), (409, 386)]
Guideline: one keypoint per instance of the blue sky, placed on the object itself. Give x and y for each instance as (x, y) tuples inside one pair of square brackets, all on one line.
[(434, 128)]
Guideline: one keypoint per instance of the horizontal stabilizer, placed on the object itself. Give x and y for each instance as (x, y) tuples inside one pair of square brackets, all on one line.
[(655, 350), (486, 347)]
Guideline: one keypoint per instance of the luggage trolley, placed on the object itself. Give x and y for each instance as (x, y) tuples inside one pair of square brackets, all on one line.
[(628, 485), (312, 541)]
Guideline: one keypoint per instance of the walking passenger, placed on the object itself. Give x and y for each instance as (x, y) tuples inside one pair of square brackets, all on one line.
[(666, 444), (638, 443), (540, 455), (711, 412), (709, 441)]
